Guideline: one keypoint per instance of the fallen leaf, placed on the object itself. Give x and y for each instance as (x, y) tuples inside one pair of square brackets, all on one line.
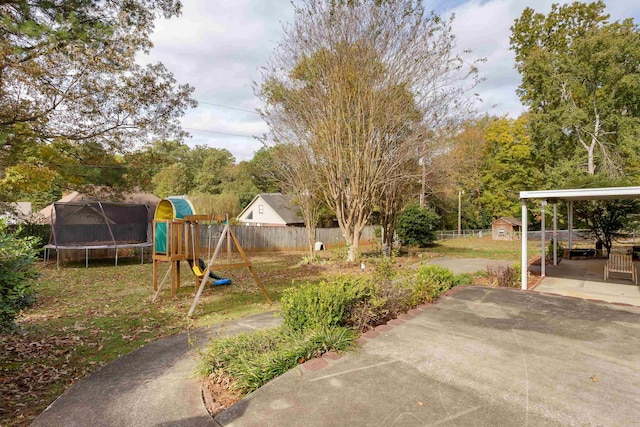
[(594, 378)]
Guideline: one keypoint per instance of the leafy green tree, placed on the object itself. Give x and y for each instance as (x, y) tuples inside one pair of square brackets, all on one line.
[(463, 166), (508, 166), (417, 226), (605, 218), (142, 164), (69, 74), (210, 167), (263, 171), (240, 182), (31, 183), (580, 80), (173, 180)]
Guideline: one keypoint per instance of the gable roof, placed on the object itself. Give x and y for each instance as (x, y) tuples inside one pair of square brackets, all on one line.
[(282, 204), (509, 220)]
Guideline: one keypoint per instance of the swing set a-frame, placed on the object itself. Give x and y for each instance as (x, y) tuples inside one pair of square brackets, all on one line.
[(176, 238)]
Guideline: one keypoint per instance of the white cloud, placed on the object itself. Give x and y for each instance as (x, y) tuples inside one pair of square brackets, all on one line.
[(218, 47)]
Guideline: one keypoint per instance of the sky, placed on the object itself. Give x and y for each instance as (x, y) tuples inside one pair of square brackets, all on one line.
[(218, 47)]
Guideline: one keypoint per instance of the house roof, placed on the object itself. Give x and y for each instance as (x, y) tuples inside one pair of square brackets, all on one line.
[(510, 220), (282, 204)]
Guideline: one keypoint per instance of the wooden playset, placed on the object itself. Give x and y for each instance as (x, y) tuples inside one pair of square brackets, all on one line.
[(177, 237)]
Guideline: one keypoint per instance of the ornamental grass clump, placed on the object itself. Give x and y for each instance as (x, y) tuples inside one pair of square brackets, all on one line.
[(251, 360)]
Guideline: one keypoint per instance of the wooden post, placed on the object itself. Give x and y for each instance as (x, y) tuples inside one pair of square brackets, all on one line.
[(227, 234), (246, 260), (228, 240)]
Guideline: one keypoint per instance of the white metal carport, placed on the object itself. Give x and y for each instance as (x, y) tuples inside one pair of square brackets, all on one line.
[(553, 196)]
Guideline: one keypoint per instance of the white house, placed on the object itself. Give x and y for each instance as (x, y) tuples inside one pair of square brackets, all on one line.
[(271, 209)]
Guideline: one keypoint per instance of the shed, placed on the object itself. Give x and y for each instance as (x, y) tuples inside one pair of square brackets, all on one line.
[(506, 228), (271, 209)]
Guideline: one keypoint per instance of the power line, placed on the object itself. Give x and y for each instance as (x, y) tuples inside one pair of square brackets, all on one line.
[(220, 133), (227, 107)]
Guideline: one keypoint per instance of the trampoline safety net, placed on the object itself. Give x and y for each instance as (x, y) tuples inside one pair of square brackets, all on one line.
[(98, 223)]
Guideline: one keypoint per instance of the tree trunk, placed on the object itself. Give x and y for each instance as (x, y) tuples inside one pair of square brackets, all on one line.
[(354, 247), (311, 239), (591, 166)]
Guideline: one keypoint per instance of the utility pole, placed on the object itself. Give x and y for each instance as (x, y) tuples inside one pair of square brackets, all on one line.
[(424, 181), (460, 193)]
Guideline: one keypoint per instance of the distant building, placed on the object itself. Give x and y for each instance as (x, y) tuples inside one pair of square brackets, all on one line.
[(271, 209), (506, 228), (16, 212)]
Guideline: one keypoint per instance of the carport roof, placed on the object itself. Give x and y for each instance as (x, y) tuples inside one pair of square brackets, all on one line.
[(584, 194)]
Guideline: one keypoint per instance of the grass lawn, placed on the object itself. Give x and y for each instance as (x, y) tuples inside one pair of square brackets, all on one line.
[(87, 317), (482, 247)]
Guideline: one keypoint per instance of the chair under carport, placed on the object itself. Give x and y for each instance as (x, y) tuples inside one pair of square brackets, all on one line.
[(569, 196)]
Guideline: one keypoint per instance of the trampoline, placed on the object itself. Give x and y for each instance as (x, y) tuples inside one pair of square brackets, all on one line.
[(97, 225)]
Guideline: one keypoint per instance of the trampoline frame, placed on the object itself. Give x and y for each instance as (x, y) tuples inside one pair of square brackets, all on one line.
[(47, 251)]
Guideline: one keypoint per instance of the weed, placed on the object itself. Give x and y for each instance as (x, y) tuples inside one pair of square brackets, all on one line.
[(505, 276)]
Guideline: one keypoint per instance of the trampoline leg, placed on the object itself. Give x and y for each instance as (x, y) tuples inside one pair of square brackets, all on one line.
[(116, 257), (86, 258), (141, 255), (57, 259)]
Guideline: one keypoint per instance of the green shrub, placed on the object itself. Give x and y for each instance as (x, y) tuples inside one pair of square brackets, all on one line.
[(431, 281), (384, 268), (17, 274), (416, 226), (39, 232), (386, 301), (322, 305), (463, 279)]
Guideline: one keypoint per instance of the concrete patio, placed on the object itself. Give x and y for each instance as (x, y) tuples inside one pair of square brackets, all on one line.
[(584, 279)]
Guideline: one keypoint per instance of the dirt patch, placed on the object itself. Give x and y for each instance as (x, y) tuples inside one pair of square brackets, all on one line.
[(218, 397)]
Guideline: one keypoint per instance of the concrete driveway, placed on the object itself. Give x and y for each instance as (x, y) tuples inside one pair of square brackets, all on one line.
[(482, 356)]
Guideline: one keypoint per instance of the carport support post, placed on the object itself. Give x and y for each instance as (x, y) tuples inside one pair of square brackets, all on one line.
[(555, 233), (543, 240), (524, 260), (570, 224)]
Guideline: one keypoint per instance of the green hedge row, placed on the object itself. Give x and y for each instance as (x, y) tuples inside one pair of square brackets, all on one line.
[(318, 318)]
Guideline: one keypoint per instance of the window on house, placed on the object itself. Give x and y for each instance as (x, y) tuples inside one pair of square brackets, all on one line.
[(250, 216), (260, 209), (501, 231)]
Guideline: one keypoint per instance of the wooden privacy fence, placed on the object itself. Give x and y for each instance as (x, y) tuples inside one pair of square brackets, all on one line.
[(262, 239)]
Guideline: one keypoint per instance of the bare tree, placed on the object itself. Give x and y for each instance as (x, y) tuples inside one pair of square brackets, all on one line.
[(293, 170), (354, 83)]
